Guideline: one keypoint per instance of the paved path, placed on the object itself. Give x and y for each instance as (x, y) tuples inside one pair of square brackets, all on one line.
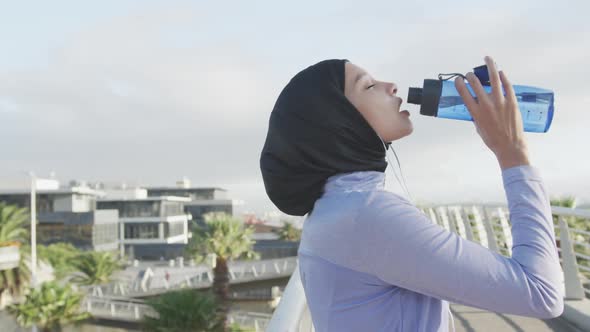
[(469, 319)]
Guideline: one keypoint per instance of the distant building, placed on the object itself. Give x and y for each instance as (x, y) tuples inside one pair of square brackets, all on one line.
[(202, 200), (69, 215), (151, 227), (96, 230), (73, 199), (268, 241)]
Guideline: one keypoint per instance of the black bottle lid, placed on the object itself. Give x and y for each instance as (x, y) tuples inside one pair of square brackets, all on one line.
[(427, 97), (415, 96)]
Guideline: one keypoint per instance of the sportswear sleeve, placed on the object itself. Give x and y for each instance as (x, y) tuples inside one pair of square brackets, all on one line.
[(409, 251)]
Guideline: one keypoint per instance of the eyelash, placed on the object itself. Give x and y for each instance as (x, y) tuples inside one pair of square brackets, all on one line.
[(370, 86)]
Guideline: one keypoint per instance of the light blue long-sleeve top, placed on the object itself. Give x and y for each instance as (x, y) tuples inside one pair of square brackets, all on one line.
[(369, 260)]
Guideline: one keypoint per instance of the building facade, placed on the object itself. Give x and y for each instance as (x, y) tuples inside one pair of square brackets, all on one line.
[(201, 200), (151, 228), (70, 215)]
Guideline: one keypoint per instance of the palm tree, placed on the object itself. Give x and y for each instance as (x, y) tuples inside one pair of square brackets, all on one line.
[(12, 224), (570, 202), (183, 311), (60, 255), (574, 222), (96, 267), (50, 307), (13, 231), (289, 233), (227, 238)]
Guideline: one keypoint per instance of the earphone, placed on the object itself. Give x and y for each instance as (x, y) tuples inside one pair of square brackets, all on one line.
[(400, 169)]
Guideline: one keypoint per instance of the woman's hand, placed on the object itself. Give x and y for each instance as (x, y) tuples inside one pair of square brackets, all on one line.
[(496, 117)]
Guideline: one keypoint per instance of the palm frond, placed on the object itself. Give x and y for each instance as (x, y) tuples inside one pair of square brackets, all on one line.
[(95, 267), (49, 306)]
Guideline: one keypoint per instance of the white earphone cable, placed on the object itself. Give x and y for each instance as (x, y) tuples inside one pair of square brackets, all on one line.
[(411, 200), (405, 188)]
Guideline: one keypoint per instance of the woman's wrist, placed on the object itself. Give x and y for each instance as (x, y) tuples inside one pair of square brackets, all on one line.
[(508, 159)]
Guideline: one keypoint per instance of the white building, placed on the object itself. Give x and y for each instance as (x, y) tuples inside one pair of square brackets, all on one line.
[(151, 227)]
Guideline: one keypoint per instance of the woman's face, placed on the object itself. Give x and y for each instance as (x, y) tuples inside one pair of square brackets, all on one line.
[(377, 102)]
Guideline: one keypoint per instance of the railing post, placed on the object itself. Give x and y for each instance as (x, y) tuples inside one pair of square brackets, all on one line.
[(483, 235), (492, 242), (460, 225), (254, 271), (289, 312), (306, 324), (443, 217), (573, 285), (432, 215), (506, 231), (123, 288), (466, 223)]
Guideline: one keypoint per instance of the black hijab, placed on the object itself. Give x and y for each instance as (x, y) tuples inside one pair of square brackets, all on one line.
[(314, 132)]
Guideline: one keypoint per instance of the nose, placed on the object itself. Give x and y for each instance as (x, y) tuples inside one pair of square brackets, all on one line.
[(392, 88)]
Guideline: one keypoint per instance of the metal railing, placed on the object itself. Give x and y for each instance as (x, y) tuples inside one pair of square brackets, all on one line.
[(239, 272), (135, 310), (485, 224)]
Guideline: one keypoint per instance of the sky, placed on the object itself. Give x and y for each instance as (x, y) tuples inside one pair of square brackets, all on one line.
[(146, 92)]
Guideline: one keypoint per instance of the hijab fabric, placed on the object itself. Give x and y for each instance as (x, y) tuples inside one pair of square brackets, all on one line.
[(314, 132)]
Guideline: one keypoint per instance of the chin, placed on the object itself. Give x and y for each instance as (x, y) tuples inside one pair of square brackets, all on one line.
[(401, 134)]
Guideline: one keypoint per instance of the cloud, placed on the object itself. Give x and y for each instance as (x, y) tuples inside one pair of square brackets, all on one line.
[(181, 89)]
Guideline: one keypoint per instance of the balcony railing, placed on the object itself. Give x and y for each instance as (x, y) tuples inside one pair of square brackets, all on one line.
[(487, 225)]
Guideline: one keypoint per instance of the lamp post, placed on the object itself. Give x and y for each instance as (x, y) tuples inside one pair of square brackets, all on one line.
[(33, 230), (33, 235)]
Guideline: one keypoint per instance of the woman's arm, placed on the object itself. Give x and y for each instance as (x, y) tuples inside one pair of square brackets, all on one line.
[(404, 248)]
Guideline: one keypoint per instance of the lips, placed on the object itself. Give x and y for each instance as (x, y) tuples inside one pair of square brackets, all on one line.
[(400, 103)]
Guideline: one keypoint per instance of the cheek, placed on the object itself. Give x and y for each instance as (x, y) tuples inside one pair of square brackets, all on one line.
[(379, 113)]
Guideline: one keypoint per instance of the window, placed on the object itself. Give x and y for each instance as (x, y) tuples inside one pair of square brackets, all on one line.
[(174, 229), (105, 233), (141, 231)]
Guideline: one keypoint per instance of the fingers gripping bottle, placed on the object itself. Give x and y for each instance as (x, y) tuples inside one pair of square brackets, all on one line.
[(440, 98)]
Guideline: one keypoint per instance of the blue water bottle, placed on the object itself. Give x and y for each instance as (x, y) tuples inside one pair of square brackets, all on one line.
[(441, 99)]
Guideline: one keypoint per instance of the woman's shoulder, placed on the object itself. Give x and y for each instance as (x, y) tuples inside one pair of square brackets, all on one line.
[(382, 203), (358, 204), (385, 198)]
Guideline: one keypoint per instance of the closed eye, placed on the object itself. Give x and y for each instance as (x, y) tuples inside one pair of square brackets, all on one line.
[(370, 86)]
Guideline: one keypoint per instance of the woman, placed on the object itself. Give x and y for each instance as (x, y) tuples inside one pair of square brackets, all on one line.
[(369, 260)]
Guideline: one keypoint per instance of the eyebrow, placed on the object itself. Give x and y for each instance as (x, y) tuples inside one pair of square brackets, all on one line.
[(358, 77)]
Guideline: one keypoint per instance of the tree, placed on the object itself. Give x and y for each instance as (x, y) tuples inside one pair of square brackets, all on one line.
[(50, 307), (289, 233), (13, 231), (227, 238), (577, 223), (96, 267), (13, 222), (183, 310), (60, 256), (570, 202)]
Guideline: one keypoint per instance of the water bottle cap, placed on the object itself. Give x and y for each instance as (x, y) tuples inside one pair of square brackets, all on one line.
[(415, 96)]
